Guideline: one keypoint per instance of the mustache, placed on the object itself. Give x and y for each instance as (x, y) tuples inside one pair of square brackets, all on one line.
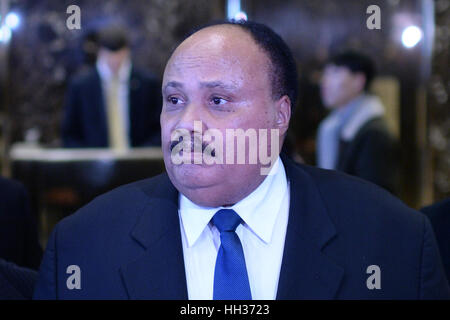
[(191, 144)]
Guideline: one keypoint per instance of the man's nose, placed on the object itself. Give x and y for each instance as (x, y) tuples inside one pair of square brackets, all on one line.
[(192, 118)]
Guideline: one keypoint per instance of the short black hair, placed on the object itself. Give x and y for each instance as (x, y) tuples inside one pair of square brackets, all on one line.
[(356, 62), (283, 75), (113, 38)]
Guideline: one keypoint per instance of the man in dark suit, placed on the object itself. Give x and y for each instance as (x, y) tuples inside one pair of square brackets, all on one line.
[(439, 215), (214, 229), (114, 104), (18, 230), (16, 283), (354, 138)]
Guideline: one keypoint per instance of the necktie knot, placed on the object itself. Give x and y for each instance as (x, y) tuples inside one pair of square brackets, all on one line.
[(226, 220)]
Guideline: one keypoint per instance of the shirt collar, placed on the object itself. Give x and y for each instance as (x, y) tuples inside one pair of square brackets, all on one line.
[(258, 210), (105, 72)]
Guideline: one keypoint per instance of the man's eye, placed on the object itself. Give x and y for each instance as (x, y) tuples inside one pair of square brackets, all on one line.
[(173, 100), (218, 101)]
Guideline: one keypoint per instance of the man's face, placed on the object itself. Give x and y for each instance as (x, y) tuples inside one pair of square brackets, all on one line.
[(114, 59), (220, 77), (339, 86)]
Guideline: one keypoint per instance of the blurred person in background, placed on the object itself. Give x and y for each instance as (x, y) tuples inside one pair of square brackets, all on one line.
[(439, 215), (16, 283), (354, 138), (114, 104), (18, 230)]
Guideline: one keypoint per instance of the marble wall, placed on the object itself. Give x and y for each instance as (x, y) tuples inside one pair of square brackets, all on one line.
[(438, 101)]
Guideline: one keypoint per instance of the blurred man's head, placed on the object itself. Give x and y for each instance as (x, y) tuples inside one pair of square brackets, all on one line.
[(114, 48), (345, 77), (226, 76)]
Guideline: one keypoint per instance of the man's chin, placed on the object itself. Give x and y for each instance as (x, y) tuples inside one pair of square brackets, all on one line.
[(195, 175)]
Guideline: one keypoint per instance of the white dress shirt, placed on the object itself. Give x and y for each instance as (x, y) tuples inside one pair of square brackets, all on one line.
[(122, 94), (265, 214)]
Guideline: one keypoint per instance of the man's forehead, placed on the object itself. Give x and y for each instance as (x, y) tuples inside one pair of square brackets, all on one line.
[(218, 35), (216, 42), (222, 46)]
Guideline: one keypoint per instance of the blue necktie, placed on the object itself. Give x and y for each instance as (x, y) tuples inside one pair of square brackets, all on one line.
[(230, 275)]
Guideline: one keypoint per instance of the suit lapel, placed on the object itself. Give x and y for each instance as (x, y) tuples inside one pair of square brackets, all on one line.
[(99, 119), (306, 272), (134, 102), (159, 273)]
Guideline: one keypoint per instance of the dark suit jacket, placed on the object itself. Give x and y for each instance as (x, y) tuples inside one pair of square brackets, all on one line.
[(127, 244), (372, 155), (18, 230), (439, 215), (85, 123), (16, 283)]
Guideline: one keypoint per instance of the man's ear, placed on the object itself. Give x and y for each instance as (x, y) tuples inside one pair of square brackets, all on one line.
[(283, 106)]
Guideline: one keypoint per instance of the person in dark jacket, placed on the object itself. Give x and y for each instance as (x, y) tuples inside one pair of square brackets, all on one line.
[(18, 230), (354, 138), (16, 283), (439, 215), (113, 105)]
